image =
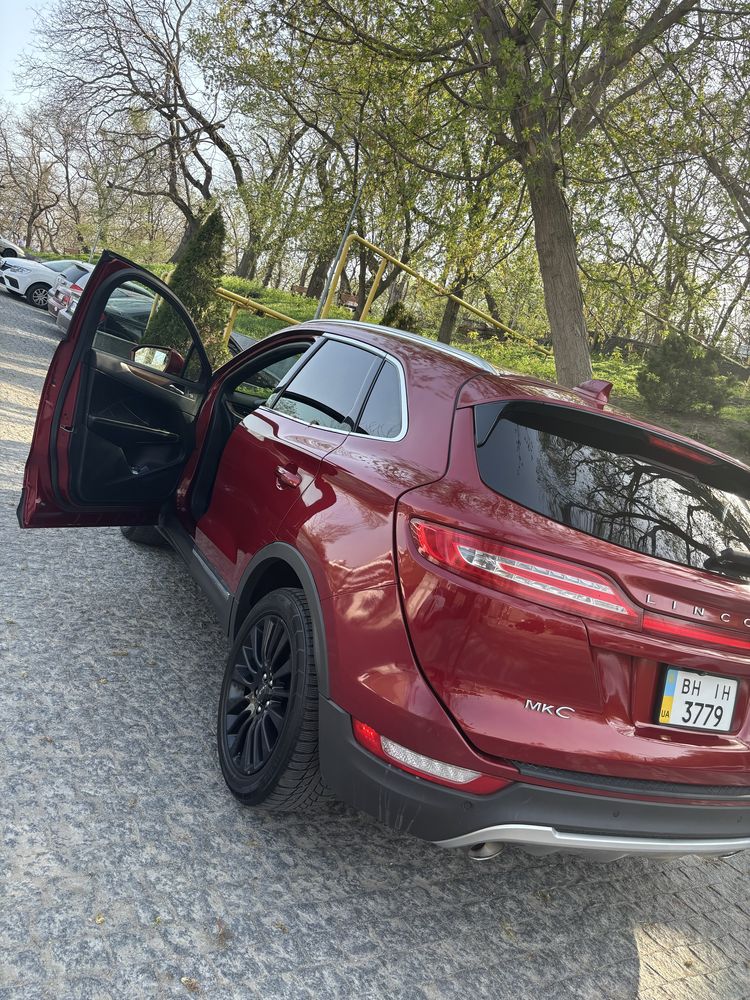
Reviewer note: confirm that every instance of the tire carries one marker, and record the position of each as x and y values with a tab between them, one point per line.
144	534
36	295
8	252
267	727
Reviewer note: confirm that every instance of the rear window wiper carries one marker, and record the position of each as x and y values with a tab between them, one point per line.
730	559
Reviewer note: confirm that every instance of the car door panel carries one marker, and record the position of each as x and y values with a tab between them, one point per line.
284	456
273	458
136	437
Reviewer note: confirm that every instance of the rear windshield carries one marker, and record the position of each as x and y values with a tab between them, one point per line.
614	481
73	273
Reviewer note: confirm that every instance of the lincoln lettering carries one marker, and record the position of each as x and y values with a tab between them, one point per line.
696	611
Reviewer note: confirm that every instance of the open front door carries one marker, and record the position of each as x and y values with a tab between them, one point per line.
115	424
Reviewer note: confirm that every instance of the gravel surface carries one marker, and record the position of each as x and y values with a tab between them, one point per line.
127	869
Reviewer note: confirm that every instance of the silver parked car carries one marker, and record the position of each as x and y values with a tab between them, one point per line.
69	283
123	320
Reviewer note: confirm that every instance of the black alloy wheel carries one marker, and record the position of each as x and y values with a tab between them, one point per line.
259	693
267	727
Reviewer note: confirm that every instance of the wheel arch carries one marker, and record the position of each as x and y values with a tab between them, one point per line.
281	565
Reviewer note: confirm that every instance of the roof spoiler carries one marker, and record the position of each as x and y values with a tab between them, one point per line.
596	389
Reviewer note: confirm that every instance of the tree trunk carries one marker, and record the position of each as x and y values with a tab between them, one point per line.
397	291
248	263
318	277
558	264
450	315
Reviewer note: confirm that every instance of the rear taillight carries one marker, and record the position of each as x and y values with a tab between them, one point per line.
677	629
425	767
527	574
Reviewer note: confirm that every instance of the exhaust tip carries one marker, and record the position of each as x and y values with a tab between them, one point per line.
486	851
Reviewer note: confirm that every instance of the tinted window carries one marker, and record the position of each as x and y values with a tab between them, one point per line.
139	325
382	415
264	380
615	481
57	265
328	390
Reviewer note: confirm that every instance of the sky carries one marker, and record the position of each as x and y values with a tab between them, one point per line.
16	34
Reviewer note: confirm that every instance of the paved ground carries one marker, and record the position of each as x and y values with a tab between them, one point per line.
127	870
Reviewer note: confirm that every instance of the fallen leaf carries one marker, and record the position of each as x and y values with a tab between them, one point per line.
99	918
281	926
191	984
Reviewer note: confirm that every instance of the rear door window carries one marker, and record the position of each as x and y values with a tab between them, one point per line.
330	389
383	415
615	481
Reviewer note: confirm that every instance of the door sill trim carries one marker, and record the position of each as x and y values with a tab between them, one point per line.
199	568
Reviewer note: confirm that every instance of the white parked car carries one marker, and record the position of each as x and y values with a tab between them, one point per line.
31	278
8	249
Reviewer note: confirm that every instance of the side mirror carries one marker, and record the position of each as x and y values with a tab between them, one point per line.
163	359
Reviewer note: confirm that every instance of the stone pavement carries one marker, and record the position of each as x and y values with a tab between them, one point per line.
127	869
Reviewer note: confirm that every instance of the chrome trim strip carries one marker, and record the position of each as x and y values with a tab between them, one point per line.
550	839
391	331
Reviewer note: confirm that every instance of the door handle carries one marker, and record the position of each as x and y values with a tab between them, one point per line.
285	477
176	388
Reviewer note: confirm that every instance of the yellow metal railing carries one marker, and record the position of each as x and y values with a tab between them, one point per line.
242	302
385	259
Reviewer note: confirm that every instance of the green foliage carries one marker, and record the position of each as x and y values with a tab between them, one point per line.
194	281
621	372
401	317
681	376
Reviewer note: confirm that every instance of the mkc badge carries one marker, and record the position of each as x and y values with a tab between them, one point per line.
561	711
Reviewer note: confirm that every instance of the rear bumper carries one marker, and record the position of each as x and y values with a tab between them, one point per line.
540	818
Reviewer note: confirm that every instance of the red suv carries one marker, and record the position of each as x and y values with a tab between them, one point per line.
481	607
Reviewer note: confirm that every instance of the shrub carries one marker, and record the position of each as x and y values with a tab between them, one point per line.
681	376
401	317
194	281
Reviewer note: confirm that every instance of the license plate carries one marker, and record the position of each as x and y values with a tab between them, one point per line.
698	701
